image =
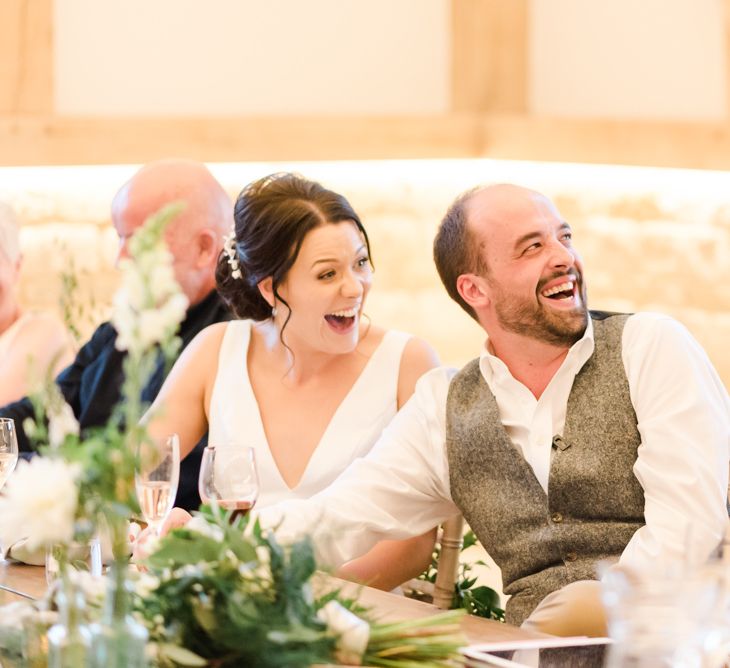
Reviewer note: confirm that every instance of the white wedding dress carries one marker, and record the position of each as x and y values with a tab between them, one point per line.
235	420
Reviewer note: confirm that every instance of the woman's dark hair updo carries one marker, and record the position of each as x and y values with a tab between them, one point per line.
272	216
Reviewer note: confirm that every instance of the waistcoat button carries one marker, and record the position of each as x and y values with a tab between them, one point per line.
557	518
571	556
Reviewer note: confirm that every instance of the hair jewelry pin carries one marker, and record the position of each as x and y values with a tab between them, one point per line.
229	248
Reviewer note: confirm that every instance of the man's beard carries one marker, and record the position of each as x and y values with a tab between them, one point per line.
533	319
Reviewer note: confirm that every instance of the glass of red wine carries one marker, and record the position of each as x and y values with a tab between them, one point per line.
228	479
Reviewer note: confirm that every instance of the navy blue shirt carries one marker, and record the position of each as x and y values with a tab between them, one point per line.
91	385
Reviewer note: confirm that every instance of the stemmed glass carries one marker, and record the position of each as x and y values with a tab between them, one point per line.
8	456
8	449
156	481
231	482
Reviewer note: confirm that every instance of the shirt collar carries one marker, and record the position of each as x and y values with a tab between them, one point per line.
494	369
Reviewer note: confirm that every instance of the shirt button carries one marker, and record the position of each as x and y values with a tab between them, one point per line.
571	556
556	517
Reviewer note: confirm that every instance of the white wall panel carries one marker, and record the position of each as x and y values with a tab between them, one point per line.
227	57
661	59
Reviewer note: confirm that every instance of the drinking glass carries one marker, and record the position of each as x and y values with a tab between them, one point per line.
8	457
658	619
230	482
84	556
156	481
8	449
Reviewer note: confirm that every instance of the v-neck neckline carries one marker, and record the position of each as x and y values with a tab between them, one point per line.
324	443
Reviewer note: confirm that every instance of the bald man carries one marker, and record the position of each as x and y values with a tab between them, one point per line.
623	416
92	383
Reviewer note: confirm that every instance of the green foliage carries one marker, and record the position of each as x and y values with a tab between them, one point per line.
233	596
74	312
227	594
482	601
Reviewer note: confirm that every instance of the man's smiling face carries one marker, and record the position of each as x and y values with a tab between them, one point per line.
534	275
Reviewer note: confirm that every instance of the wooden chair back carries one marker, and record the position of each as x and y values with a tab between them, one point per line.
448	565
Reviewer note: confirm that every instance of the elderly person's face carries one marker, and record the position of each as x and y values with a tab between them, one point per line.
194	236
129	214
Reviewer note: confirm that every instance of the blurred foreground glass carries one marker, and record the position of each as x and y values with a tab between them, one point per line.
156	482
8	457
658	620
8	449
81	557
230	482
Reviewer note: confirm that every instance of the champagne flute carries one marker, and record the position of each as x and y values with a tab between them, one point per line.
231	482
8	449
156	481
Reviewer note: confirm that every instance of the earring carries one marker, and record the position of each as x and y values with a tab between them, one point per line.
273	311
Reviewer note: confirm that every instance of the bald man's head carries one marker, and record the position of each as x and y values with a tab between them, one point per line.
195	236
458	248
507	256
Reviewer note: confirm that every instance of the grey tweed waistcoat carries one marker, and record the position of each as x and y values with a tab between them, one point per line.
594	502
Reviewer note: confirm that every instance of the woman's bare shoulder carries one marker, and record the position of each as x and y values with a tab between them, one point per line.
202	351
418	358
210	337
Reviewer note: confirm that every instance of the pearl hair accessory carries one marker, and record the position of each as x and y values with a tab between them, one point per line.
229	248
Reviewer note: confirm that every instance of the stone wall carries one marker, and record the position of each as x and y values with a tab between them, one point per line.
650	239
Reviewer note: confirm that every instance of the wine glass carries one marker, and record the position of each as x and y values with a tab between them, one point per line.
231	481
156	481
8	457
8	449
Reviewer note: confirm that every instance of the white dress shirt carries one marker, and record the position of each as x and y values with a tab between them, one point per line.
402	487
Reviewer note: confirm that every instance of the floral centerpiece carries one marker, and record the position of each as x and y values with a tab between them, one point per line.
224	593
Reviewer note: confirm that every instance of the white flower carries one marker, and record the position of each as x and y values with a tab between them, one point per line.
262	554
14	614
149	304
61	423
353	633
40	501
93	587
204	528
146	584
189	571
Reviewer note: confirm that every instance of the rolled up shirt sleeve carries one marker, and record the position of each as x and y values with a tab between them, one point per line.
400	489
683	416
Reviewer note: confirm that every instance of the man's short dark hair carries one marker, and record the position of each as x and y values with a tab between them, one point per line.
455	250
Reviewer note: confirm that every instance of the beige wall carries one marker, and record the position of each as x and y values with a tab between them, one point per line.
654	59
651	239
228	57
586	58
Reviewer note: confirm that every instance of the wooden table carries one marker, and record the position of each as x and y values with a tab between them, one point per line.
389	607
20	581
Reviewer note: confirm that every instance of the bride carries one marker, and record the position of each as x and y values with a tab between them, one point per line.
302	376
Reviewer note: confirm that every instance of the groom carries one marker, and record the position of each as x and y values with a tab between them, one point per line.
574	437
